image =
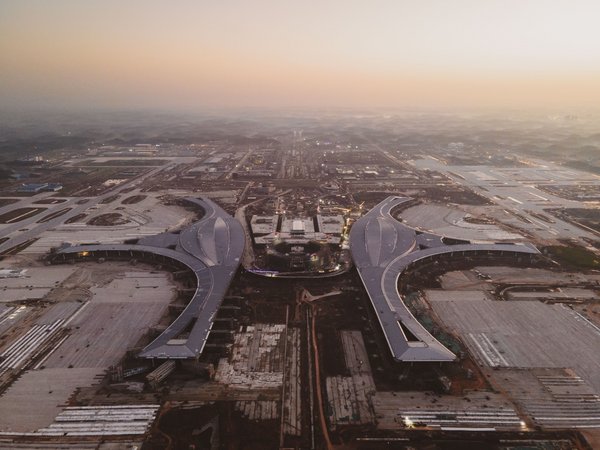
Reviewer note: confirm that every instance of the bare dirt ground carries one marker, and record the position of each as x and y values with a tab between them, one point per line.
77	218
7	201
133	199
16	215
108	219
54	215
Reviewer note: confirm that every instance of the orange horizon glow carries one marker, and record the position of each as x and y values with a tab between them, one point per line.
524	54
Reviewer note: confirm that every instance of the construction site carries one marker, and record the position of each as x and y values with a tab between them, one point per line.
212	298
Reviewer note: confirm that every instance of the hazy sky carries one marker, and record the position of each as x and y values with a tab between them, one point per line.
300	53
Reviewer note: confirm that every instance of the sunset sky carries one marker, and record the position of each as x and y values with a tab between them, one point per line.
277	54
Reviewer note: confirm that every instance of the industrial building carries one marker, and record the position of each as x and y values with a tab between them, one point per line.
263	225
40	187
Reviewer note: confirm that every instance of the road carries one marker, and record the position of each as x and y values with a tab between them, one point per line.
40	228
239	164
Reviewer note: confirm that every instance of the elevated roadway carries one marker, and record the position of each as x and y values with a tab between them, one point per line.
382	249
211	248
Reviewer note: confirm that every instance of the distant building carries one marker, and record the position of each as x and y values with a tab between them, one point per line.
54	187
32	187
298	227
325	229
254	174
370	174
331	224
12	273
40	187
31	159
263	225
330	187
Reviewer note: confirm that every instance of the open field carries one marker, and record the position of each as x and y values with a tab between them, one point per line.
35	283
7	201
452	222
17	215
523	334
116	317
38	396
54	215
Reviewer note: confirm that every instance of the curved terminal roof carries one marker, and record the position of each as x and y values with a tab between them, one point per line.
382	248
211	248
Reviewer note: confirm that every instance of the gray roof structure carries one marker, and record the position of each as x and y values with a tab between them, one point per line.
382	249
211	248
